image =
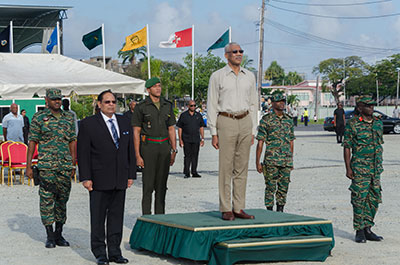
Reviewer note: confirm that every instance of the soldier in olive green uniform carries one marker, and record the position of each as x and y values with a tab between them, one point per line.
54	131
155	144
276	130
362	144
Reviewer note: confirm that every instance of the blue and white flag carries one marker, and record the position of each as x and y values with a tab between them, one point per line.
52	41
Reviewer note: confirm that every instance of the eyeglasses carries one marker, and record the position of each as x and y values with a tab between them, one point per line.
192	105
236	51
110	102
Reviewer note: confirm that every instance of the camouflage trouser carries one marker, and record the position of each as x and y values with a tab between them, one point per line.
276	181
55	186
365	198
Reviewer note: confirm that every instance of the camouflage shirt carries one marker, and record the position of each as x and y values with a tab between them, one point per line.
365	140
53	136
277	133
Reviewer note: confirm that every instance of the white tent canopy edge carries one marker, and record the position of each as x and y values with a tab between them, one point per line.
23	75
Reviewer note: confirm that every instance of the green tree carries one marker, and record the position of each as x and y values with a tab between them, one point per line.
292	100
247	63
204	66
155	66
293	78
131	55
275	73
336	70
83	106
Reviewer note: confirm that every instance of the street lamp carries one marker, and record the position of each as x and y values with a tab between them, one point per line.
398	77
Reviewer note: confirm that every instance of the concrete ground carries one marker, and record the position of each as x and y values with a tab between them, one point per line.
319	188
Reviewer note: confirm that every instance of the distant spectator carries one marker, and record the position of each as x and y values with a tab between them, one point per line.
339	122
128	113
65	104
295	115
12	125
315	118
305	117
25	129
396	112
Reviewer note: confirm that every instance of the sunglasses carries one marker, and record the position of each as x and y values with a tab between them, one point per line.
192	105
236	51
109	101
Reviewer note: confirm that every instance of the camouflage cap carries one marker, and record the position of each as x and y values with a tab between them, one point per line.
53	93
278	97
366	100
152	81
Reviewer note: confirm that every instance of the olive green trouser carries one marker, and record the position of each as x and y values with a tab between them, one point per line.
157	158
54	190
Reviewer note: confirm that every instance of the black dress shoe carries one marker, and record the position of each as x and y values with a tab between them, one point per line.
360	236
371	236
102	261
186	176
196	175
119	259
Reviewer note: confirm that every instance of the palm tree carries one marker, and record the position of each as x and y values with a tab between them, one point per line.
246	63
131	54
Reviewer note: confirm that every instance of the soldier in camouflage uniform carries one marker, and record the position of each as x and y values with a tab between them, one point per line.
277	131
362	144
54	131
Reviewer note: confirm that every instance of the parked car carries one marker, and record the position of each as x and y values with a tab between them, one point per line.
389	124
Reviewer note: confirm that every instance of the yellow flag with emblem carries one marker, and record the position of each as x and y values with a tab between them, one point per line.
136	40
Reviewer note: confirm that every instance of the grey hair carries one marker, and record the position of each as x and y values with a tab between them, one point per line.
226	49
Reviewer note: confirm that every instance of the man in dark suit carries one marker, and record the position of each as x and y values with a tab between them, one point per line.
107	166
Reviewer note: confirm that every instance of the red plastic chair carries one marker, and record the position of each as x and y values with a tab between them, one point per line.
17	160
35	156
4	157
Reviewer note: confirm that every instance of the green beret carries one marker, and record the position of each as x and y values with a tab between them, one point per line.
53	93
366	100
152	81
278	97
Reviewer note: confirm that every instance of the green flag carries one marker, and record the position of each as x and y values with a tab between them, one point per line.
93	39
221	42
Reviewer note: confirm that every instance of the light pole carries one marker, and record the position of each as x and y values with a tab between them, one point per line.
377	91
397	92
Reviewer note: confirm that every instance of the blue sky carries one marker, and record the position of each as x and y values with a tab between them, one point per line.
212	18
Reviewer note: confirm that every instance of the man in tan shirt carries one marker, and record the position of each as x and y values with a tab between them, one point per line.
232	118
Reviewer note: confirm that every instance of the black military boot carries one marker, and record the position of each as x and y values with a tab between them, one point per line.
59	239
371	236
360	236
279	208
269	208
50	242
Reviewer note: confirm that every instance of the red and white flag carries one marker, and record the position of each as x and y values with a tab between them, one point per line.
179	39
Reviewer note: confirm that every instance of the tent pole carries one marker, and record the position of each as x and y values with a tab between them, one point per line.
58	39
104	46
11	37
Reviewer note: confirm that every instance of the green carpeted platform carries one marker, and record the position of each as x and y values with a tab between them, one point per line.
195	235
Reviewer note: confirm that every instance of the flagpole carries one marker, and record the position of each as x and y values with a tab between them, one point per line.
104	46
230	34
11	37
148	51
192	62
58	38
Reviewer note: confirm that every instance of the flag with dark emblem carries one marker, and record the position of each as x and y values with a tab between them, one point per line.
5	40
93	39
135	40
221	42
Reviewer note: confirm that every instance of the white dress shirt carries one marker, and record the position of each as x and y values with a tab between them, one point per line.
114	120
235	94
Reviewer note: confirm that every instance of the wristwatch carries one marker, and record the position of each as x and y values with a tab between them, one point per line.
202	139
174	151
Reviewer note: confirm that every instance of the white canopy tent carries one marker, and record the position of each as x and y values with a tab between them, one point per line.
23	75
